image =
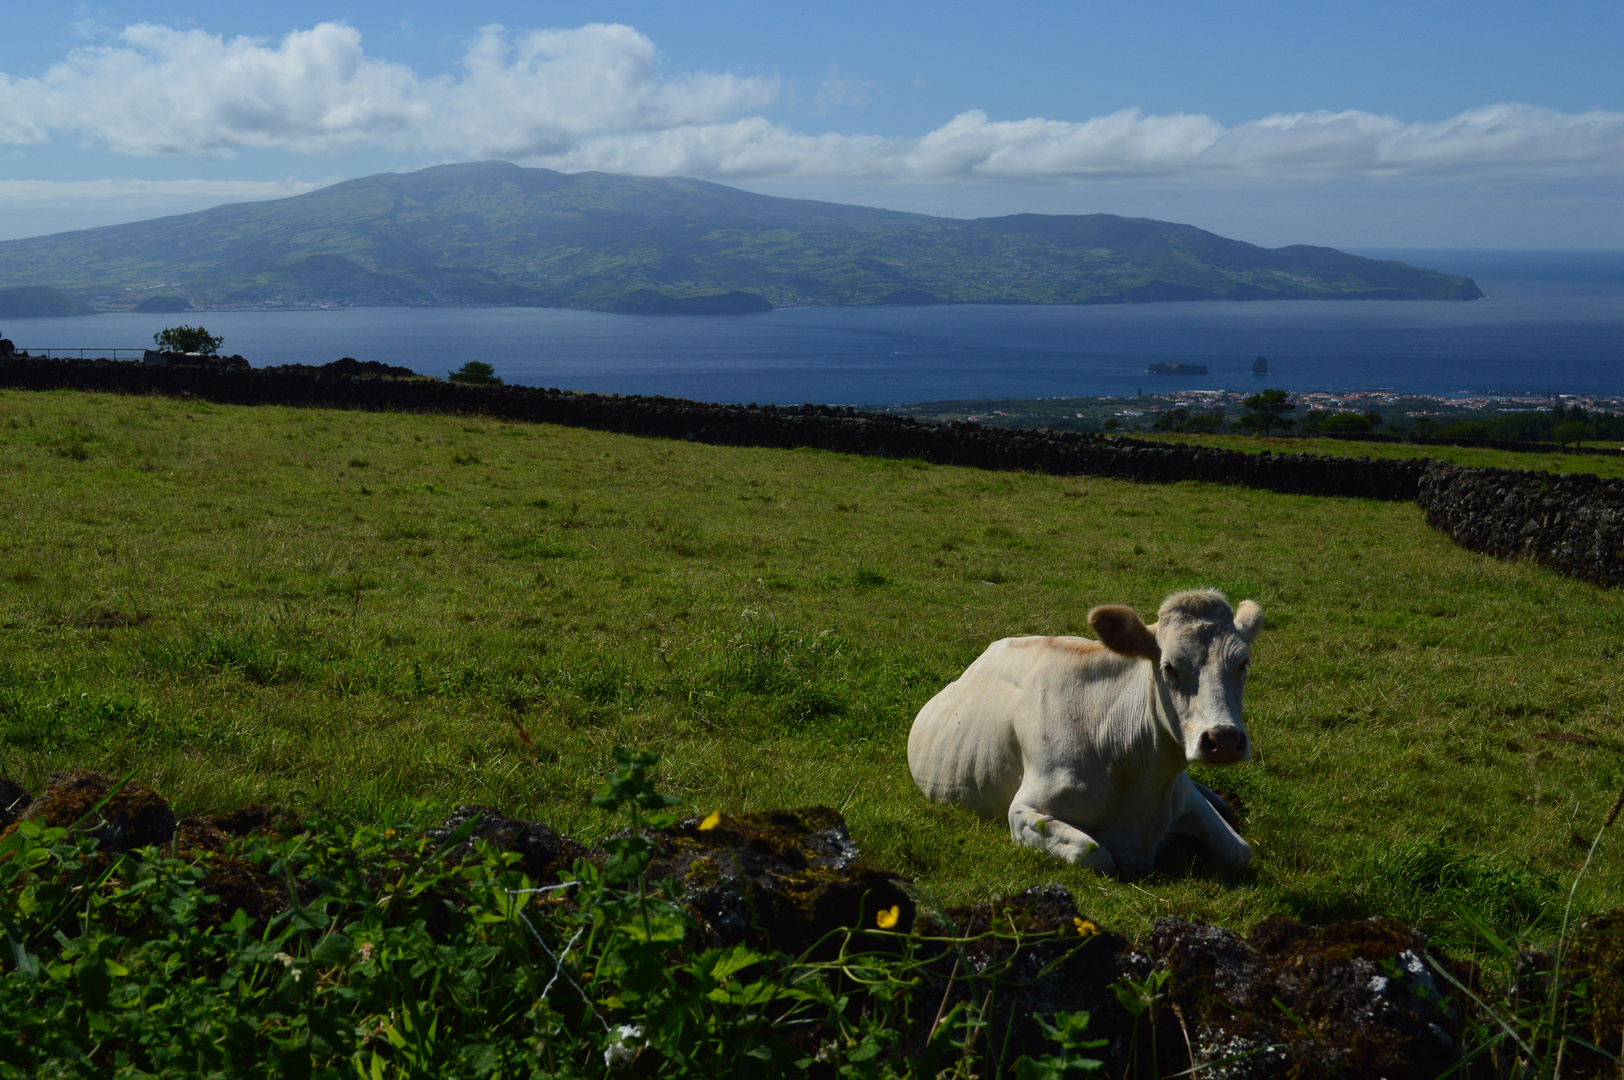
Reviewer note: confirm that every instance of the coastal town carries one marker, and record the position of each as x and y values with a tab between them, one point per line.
1142	410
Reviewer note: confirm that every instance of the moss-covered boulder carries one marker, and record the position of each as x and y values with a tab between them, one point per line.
781	879
236	883
1057	961
543	853
1356	998
134	816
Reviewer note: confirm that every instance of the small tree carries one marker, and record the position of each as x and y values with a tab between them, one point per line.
475	373
187	339
1267	411
1345	422
1573	431
1172	420
1204	423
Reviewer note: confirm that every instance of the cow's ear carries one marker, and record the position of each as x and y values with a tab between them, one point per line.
1248	620
1122	631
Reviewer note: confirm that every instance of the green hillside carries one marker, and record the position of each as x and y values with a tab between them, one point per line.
35	302
495	233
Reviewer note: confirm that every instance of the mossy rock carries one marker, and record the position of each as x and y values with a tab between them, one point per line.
135	816
1356	998
781	879
543	853
1595	961
1059	960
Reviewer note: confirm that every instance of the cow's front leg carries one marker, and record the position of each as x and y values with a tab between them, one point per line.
1199	818
1032	827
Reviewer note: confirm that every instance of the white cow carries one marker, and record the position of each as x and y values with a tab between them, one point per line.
1083	744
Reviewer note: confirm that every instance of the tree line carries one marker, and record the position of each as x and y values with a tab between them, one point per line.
1270	413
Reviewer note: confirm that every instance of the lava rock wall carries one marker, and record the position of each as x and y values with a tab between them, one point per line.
1572	524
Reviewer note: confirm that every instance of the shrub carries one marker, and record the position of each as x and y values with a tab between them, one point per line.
1573	431
1266	412
1204	423
187	339
475	373
1348	421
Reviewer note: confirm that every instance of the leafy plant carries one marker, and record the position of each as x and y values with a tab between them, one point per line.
475	373
392	957
1067	1030
1266	412
187	339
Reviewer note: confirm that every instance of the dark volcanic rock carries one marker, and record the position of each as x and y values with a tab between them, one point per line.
1063	963
543	853
782	879
1573	524
14	799
136	816
1350	999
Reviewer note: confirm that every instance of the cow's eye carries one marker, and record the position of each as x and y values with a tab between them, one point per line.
1171	672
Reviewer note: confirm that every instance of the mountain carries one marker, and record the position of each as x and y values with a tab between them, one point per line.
494	233
35	301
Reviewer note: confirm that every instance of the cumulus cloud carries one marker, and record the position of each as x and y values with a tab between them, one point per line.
163	91
595	97
1498	139
15	191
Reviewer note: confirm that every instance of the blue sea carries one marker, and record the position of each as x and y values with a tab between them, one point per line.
1551	322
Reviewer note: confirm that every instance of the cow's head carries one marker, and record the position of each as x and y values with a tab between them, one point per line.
1200	651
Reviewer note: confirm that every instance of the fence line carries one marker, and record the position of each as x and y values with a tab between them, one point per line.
96	352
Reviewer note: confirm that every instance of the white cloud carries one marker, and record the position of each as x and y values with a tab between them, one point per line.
20	191
164	91
1497	139
595	97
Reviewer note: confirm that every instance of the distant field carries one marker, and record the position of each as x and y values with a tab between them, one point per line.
1576	462
350	611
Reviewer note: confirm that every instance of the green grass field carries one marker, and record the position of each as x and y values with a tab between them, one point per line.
353	611
1576	462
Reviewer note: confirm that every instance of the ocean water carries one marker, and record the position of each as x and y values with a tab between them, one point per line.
1552	321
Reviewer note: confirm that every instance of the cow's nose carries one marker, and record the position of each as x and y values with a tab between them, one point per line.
1223	746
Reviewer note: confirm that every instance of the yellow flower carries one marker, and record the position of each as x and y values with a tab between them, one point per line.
886	919
1085	927
712	819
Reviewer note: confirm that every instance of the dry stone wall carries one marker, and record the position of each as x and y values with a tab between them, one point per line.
1573	524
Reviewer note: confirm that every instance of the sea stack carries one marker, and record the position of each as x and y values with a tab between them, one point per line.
1260	366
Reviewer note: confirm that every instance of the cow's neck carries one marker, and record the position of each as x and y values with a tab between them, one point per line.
1163	727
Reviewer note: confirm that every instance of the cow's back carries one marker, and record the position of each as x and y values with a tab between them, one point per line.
965	746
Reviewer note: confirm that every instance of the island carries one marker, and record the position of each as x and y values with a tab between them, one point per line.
492	233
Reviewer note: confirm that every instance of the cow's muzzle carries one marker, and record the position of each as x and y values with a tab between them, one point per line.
1221	746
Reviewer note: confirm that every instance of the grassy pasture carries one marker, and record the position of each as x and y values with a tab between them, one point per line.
1575	462
352	612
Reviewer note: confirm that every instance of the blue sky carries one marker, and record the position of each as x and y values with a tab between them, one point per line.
1355	125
